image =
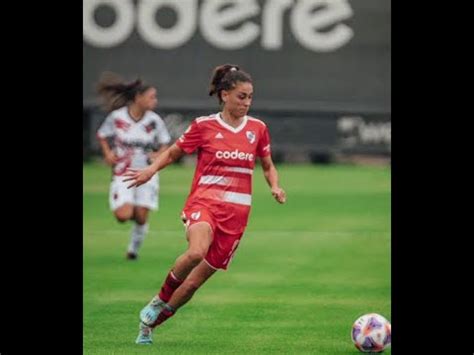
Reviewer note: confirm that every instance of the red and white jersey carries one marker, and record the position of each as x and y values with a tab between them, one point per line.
133	140
226	161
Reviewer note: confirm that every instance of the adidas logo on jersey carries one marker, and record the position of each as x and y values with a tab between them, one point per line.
219	135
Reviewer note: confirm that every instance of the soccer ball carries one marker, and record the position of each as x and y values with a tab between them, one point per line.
371	333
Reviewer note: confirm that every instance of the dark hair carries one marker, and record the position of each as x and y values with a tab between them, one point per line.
116	93
226	77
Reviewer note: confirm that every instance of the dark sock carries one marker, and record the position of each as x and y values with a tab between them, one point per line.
169	286
166	313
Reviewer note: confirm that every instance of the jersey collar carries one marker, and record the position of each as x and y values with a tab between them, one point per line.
229	127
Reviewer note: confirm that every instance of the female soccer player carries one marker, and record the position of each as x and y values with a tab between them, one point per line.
217	209
136	131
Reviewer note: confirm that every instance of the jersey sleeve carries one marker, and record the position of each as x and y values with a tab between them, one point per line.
263	147
191	139
163	136
106	129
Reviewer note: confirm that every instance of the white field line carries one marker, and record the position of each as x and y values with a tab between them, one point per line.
176	231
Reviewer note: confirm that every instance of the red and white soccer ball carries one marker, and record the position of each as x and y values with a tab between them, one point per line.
371	333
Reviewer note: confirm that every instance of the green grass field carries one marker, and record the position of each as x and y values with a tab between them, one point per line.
303	272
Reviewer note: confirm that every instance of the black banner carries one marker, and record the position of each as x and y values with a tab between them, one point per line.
304	55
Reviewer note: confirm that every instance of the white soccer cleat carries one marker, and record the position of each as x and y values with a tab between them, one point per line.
144	334
150	312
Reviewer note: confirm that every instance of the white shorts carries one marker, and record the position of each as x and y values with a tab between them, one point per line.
145	195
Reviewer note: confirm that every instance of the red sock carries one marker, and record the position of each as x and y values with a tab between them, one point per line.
170	285
164	315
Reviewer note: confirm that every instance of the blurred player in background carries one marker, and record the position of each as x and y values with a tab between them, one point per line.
217	209
136	131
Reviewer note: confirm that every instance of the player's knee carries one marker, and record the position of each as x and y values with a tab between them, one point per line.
122	217
195	256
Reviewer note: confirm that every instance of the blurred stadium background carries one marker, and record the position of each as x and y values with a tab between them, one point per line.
321	67
322	77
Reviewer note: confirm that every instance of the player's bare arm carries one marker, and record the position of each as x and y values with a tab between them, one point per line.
154	155
271	175
141	176
109	155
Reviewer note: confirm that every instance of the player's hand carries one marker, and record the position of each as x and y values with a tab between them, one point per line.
279	194
111	159
138	176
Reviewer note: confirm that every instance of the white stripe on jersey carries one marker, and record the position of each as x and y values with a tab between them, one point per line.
213	179
205	118
237	197
257	120
239	170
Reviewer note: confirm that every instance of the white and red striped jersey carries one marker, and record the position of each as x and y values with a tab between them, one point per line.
226	161
133	140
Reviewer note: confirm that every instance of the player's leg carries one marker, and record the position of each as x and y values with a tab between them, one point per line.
218	256
145	199
199	239
124	213
196	278
191	284
139	231
199	236
120	200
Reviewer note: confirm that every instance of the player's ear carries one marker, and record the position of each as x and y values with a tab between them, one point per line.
224	95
